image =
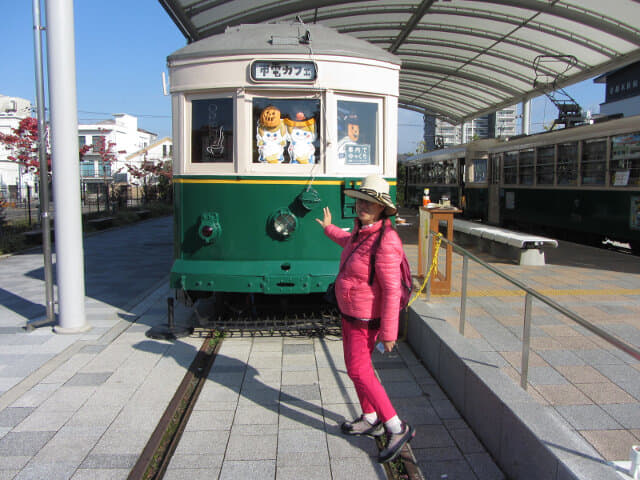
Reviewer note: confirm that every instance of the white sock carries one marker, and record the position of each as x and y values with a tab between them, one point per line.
394	425
371	417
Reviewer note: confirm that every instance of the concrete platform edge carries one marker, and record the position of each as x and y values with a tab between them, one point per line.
527	440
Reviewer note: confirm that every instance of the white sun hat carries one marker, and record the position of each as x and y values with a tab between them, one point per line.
374	189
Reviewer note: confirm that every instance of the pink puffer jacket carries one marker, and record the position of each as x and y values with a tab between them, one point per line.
355	296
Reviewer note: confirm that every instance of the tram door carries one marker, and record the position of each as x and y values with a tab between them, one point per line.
493	215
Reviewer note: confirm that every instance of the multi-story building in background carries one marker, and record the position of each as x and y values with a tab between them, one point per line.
622	95
15	179
440	134
128	146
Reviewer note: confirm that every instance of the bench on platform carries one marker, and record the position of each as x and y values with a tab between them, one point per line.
143	214
102	222
525	248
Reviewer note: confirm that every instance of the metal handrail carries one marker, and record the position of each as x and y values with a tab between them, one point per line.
530	293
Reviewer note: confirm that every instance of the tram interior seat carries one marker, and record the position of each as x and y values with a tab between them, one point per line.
525	248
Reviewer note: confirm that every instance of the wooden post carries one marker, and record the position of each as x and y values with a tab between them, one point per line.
441	283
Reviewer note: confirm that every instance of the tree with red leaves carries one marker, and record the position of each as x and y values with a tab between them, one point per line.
148	172
23	143
105	151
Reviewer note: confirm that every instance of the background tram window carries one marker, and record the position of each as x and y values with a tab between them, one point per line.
495	168
357	132
525	171
291	132
212	130
625	160
544	165
511	168
568	163
450	172
478	171
593	162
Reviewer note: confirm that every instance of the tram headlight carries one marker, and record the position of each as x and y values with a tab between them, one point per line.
209	229
283	223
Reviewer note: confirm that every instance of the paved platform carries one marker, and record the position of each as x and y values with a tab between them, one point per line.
592	385
83	406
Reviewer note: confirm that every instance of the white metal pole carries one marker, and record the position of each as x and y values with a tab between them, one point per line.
65	166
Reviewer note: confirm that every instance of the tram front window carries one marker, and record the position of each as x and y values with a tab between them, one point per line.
357	132
212	130
286	130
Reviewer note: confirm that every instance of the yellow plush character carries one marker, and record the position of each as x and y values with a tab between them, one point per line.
302	134
271	136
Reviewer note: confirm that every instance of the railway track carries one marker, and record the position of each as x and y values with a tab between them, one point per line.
155	457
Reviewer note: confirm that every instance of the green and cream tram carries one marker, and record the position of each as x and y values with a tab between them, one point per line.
271	123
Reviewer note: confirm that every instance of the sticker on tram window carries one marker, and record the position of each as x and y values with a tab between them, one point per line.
264	70
357	154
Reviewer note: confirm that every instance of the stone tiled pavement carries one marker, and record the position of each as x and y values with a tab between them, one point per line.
594	386
83	406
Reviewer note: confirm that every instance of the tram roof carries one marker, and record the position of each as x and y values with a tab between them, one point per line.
460	58
283	38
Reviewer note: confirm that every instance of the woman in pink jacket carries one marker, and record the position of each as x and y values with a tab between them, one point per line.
368	289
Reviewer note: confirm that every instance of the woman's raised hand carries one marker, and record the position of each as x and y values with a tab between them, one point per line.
326	221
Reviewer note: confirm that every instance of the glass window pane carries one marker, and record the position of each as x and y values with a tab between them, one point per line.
357	132
544	165
568	163
526	167
593	162
625	160
212	130
511	168
450	172
286	130
479	170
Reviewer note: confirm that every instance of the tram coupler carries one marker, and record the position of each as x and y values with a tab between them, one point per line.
171	331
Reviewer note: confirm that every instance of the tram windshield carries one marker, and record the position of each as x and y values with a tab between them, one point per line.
286	130
357	129
212	130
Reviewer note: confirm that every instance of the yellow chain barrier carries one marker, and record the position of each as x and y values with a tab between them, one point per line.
434	265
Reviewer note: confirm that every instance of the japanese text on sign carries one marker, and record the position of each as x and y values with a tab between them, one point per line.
297	71
358	154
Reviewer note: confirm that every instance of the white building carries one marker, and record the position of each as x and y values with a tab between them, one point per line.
439	134
14	178
131	146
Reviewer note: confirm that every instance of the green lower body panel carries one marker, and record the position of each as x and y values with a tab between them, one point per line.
270	277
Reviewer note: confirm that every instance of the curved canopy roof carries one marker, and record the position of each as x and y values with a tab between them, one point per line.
460	58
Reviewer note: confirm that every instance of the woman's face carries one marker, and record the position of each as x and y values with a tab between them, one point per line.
368	212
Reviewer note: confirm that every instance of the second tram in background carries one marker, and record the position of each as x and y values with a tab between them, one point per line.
580	183
271	123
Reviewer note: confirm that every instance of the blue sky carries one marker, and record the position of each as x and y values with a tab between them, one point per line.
121	50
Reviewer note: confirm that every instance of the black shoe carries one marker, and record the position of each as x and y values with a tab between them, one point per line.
395	442
361	426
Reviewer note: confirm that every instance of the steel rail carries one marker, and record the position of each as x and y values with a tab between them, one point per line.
530	294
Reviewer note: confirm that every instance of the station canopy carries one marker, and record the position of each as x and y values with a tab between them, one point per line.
460	58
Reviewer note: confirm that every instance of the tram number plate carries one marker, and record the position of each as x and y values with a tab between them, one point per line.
262	70
357	154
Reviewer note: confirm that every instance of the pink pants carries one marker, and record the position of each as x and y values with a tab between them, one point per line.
358	343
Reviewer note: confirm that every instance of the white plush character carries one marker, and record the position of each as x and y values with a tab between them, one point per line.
271	145
302	134
271	137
